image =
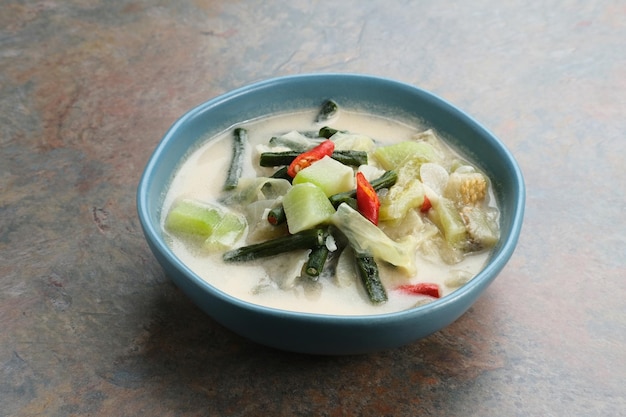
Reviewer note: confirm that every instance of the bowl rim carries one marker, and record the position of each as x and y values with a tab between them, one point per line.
496	263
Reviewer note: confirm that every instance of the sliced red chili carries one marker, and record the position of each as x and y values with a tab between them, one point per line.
423	288
305	159
366	199
426	205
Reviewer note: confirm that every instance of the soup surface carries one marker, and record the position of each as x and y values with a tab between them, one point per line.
278	281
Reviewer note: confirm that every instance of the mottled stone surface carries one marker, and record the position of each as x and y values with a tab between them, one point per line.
91	326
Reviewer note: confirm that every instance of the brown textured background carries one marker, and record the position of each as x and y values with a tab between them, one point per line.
91	326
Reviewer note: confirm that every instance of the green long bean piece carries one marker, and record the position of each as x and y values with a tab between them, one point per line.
327	132
240	139
367	270
306	239
328	110
282	174
277	215
347	157
315	263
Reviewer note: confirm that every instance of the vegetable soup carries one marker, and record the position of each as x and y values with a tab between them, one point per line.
331	211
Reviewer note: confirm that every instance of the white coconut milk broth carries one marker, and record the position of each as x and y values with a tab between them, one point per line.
202	175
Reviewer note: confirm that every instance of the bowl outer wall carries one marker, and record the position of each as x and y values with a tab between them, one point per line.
326	334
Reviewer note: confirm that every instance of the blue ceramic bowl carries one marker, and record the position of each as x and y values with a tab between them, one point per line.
318	333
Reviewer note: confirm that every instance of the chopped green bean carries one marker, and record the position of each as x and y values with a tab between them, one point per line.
347	157
328	110
277	215
367	270
315	263
350	157
240	138
327	132
305	239
282	174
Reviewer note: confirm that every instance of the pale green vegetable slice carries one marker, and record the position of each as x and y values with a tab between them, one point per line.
407	193
226	233
328	174
483	232
192	217
306	206
254	189
365	237
400	199
218	226
411	224
353	142
392	156
450	222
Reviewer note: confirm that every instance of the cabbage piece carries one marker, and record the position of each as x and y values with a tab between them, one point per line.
259	229
435	176
345	271
395	204
250	190
353	142
371	172
393	156
294	141
366	238
430	137
407	193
